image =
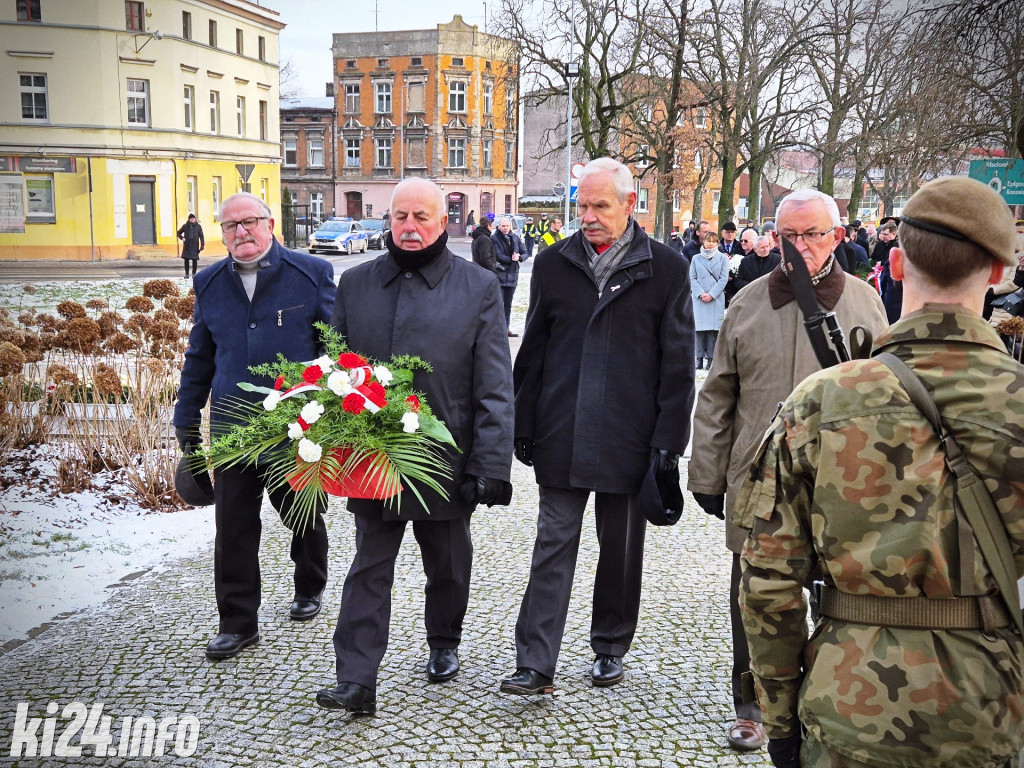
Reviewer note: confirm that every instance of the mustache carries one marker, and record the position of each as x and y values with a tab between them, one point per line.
593	228
414	236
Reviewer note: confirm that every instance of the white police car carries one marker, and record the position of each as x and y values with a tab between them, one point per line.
337	235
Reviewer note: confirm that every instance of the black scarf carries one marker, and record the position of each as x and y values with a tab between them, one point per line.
416	259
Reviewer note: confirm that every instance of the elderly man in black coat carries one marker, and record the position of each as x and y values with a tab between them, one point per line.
420	299
604	389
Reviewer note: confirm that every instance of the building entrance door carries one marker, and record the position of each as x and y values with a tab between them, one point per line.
140	193
456	215
354	205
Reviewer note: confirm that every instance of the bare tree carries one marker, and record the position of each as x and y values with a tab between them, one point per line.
287	79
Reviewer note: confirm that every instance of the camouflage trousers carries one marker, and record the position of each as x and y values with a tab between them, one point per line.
814	754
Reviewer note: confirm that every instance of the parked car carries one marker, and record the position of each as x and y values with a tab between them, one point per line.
376	230
340	234
571	228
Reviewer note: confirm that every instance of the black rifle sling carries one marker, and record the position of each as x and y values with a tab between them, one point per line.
971	493
814	318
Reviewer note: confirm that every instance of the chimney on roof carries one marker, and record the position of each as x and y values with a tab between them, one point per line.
329	89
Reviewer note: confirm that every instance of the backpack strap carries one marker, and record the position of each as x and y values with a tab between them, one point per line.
971	494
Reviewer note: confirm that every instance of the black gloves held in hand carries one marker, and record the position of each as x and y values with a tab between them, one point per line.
524	450
785	753
712	503
485	490
191	479
668	464
188	438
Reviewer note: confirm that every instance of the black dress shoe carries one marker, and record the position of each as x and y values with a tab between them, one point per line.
442	665
351	697
607	670
305	608
225	645
527	682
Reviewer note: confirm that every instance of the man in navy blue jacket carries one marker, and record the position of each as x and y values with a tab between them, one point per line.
260	300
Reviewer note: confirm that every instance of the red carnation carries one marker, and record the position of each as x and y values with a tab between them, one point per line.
312	374
302	424
351	360
279	382
353	403
376	388
414	403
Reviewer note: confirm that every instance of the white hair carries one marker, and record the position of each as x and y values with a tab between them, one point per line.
504	219
801	196
621	176
763	239
264	208
748	229
413	181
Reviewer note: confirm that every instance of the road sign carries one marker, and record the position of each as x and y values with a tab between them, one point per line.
572	192
1004	176
576	170
559	189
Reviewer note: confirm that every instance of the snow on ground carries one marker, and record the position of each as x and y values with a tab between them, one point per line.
62	553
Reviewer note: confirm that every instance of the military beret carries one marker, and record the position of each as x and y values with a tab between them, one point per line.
730	226
964	209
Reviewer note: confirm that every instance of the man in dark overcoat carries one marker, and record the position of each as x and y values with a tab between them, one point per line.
509	252
421	299
260	300
604	387
193	241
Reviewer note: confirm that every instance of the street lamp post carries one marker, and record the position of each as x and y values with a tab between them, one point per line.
572	71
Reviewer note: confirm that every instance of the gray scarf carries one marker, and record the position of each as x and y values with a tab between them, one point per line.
603	265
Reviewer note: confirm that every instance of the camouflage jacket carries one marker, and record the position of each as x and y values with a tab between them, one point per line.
852	475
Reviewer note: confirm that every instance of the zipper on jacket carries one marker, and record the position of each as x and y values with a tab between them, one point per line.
281	312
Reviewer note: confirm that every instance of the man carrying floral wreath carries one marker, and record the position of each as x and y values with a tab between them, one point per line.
261	300
420	299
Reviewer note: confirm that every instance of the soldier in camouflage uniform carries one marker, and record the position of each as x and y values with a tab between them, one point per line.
851	475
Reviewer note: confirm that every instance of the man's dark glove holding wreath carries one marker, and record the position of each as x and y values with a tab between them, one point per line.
191	478
485	490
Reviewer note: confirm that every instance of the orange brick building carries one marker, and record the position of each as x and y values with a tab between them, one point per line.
438	104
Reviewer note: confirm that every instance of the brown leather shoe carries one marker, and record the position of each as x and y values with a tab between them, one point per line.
746	735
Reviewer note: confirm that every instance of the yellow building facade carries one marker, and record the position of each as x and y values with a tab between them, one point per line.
128	116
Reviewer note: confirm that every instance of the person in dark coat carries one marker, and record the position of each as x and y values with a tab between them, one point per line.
675	242
509	251
604	387
259	301
193	241
696	242
758	263
861	260
482	248
421	299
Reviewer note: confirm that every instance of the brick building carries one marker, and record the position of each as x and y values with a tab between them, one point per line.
438	104
309	152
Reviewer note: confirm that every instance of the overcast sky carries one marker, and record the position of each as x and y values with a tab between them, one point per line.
306	41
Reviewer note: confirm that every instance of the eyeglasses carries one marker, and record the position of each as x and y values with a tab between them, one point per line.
811	238
249	224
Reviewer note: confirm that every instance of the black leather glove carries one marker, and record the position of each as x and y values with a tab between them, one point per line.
785	753
485	490
712	503
524	450
189	439
668	464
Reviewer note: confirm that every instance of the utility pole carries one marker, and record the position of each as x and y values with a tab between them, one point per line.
572	70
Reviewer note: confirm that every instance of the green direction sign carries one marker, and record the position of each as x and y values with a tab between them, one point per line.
1004	176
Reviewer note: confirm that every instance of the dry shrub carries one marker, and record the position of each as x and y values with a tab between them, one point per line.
163	331
1013	329
48	322
12	334
106	382
24	421
121	343
4	315
165	316
97	304
109	322
61	375
28	317
160	289
48	340
12	360
139	304
183	307
32	346
70	310
81	335
30	289
138	322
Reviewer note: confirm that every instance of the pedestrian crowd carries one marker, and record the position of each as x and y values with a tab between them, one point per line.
862	442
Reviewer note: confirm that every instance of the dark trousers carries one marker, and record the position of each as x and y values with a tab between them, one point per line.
194	263
361	637
617	583
749	708
238	494
508	293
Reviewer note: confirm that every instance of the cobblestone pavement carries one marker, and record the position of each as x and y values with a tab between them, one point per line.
141	654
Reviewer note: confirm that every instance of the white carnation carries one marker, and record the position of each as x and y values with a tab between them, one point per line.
270	401
311	411
338	383
410	422
324	363
309	451
294	431
382	374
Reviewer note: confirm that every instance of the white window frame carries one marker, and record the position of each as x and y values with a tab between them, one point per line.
641	198
33	90
264	125
382	154
189	101
457	152
642	161
700	120
240	115
215	112
191	184
676	201
510	155
289	147
137	98
263	190
216	190
487	153
382	97
353	153
316	205
352	98
488	98
315	151
457	97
